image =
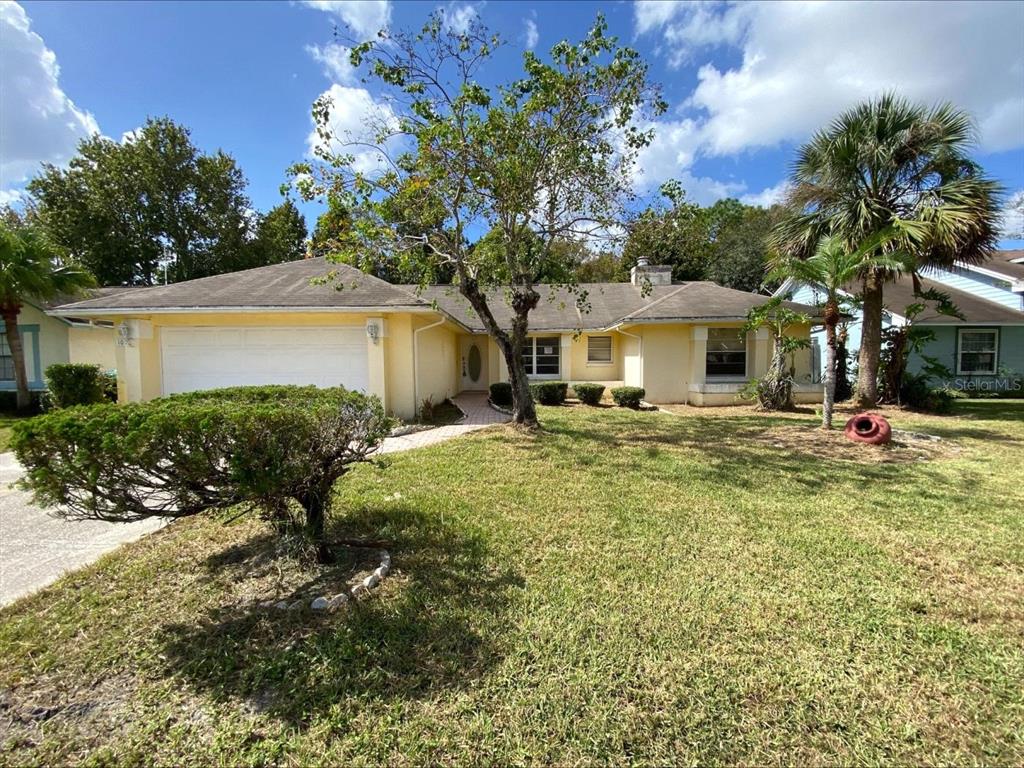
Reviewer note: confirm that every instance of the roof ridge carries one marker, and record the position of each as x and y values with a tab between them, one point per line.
656	302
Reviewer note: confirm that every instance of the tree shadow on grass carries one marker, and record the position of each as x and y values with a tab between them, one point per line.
431	626
736	452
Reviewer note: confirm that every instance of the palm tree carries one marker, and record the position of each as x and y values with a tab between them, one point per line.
29	269
891	165
831	268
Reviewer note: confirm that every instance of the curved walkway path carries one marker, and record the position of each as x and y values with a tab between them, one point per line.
37	548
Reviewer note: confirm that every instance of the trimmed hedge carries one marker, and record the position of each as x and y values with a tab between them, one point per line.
72	384
549	392
266	447
501	393
589	394
628	397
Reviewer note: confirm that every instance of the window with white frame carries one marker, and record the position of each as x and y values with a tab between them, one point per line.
599	349
726	354
977	351
6	360
541	356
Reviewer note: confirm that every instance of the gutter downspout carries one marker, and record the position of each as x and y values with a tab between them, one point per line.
640	341
416	363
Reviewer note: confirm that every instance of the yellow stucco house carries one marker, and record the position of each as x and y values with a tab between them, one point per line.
680	342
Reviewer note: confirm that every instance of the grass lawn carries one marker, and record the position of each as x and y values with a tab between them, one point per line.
626	587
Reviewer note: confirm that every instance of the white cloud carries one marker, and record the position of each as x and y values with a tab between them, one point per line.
335	60
802	63
651	14
458	17
355	116
364	17
532	34
1013	217
9	196
768	196
38	122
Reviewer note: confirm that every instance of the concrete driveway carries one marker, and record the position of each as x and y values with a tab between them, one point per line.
37	548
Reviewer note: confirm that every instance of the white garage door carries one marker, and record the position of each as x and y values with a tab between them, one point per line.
209	358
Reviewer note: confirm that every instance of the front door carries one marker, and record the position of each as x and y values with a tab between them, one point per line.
471	363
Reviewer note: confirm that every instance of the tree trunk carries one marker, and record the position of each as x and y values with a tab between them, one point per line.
316	514
870	342
524	411
524	299
830	370
10	314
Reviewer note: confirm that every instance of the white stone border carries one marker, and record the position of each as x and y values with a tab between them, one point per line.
336	602
499	408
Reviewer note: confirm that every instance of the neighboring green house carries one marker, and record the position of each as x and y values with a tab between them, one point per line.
985	350
47	339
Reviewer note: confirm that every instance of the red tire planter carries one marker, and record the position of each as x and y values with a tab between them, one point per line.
868	428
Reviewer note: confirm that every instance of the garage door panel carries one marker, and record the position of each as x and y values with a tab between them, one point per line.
208	358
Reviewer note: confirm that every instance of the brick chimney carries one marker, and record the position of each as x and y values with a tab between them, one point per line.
655	275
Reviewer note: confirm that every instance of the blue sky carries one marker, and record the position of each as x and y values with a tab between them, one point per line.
746	83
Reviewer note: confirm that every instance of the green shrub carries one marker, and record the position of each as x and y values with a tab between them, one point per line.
501	394
266	447
919	394
628	397
589	394
73	384
549	392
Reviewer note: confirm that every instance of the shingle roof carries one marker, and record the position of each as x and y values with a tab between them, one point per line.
607	304
1003	263
897	296
288	285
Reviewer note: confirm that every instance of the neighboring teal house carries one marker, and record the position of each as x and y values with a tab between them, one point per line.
985	350
47	340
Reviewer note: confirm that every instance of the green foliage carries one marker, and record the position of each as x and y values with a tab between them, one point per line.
71	384
900	342
501	393
123	208
589	394
265	447
774	390
918	393
549	392
628	397
900	175
727	243
603	267
280	236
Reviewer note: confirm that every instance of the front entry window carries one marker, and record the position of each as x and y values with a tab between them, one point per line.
541	356
727	353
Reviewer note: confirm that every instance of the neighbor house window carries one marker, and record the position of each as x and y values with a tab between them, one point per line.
540	355
6	360
727	353
599	349
977	351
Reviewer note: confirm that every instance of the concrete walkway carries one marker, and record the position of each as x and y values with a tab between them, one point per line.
478	416
37	548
